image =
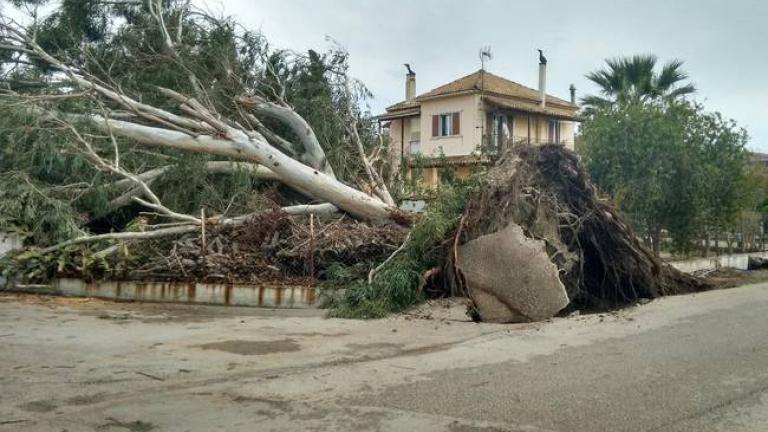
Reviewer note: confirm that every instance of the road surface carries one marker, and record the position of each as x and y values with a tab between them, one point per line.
689	363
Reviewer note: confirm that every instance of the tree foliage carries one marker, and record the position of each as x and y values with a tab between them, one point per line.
636	80
213	59
669	165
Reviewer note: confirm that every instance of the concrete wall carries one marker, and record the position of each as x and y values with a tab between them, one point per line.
269	296
736	261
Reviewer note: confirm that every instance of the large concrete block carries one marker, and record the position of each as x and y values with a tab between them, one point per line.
510	277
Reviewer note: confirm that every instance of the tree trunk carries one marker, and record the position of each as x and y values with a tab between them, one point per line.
256	149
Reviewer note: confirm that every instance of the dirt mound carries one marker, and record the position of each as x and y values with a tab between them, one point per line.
546	191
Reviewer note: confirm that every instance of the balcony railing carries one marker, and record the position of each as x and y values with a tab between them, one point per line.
491	147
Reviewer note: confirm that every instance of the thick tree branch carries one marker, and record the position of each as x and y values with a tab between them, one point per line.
313	153
211	135
239	146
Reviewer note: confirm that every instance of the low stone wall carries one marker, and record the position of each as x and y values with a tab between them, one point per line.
267	296
736	261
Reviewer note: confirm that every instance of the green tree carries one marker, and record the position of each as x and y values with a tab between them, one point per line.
636	79
669	165
726	189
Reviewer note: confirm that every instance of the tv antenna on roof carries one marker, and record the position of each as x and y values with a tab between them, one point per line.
485	55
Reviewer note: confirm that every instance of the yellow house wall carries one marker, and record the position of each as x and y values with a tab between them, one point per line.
463	172
396	137
568	133
473	125
469	138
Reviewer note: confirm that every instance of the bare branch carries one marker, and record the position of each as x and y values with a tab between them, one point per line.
377	183
318	209
274	139
99	162
82	80
378	268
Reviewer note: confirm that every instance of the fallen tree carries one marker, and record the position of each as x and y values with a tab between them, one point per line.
534	216
545	193
255	132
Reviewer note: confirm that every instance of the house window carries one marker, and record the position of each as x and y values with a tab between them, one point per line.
447	124
554	132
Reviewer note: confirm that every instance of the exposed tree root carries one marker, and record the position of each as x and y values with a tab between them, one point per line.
547	191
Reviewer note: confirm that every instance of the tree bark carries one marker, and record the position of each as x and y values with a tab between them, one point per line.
313	153
240	146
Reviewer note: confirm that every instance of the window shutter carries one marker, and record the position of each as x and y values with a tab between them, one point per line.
435	125
456	128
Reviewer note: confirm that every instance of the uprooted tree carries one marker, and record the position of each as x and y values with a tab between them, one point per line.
119	106
142	121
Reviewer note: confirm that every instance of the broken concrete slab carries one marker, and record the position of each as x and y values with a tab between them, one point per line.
510	277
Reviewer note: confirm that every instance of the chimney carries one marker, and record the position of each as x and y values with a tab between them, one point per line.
410	84
572	88
543	82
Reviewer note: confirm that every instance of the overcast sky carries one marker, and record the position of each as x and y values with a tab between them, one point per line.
722	42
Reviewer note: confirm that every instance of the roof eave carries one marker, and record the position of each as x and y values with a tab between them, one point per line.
398	114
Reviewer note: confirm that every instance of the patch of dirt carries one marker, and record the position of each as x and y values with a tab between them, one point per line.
446	309
48	300
730	278
458	427
250	348
83	400
39	406
280	405
374	346
134	426
317	334
124	312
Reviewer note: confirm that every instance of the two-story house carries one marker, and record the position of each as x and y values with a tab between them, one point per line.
468	121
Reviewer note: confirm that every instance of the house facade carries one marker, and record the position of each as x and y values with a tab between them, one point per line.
469	121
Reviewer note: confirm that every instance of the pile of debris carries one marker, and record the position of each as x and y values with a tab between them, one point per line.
271	247
538	239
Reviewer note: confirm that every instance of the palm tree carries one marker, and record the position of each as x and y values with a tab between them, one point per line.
634	78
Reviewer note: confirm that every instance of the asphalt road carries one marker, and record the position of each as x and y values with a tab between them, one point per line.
692	363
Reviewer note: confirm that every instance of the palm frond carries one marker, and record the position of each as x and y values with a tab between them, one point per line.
596	102
670	75
603	80
634	79
681	91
